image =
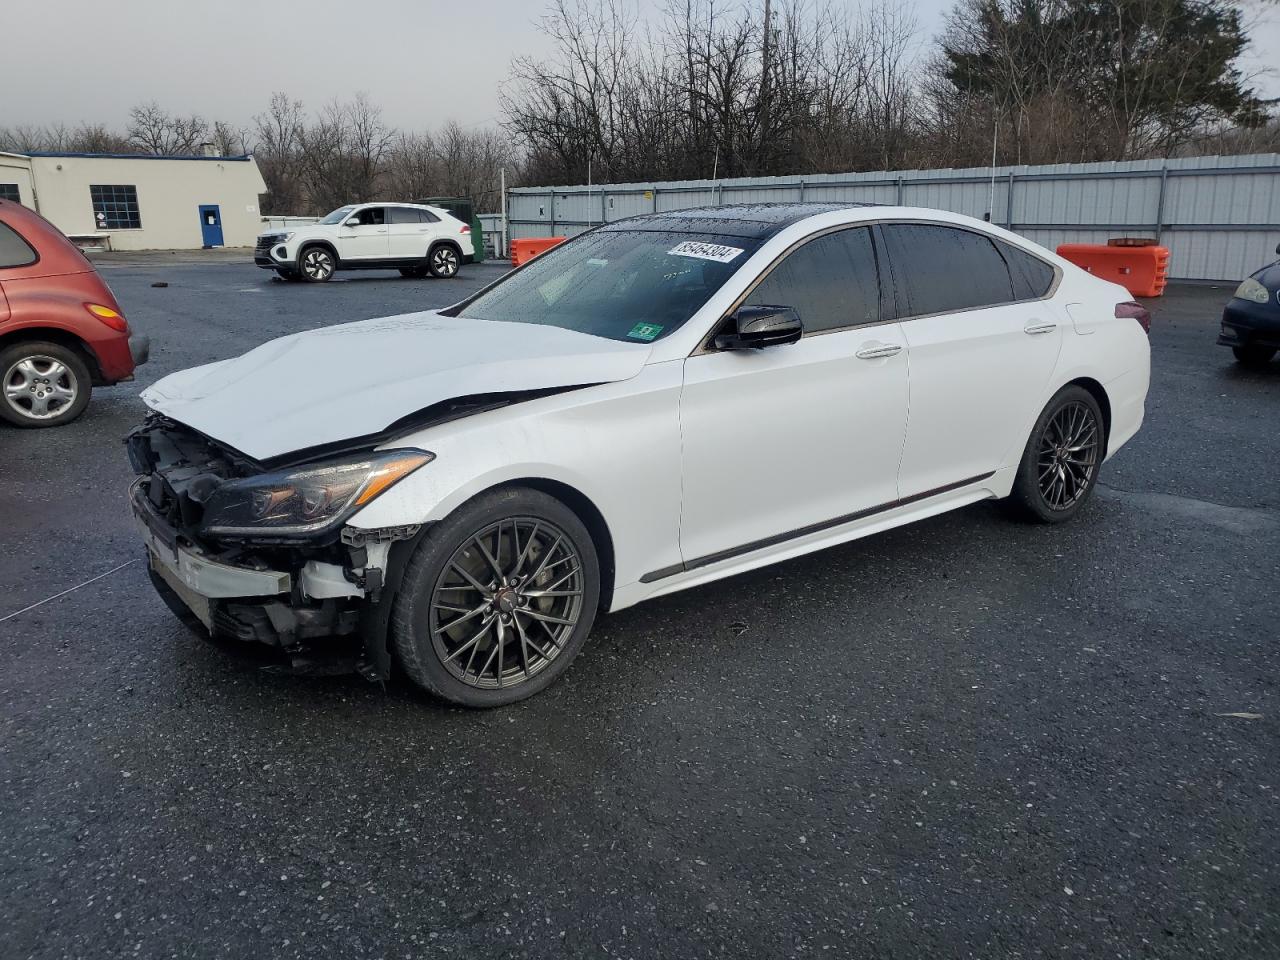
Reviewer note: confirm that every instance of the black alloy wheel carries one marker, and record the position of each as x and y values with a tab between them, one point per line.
1059	467
497	599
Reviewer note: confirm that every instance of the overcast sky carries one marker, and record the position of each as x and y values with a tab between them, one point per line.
423	61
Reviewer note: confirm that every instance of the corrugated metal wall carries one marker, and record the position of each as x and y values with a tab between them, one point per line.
1219	216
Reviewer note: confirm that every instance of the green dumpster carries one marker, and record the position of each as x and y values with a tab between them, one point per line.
464	210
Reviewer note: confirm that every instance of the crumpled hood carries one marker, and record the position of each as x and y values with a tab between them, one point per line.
356	379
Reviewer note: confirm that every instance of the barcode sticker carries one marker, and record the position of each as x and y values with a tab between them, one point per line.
705	251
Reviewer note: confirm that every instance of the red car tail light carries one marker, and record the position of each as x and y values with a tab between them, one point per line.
112	318
465	229
1135	311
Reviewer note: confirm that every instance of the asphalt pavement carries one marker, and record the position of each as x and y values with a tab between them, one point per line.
965	738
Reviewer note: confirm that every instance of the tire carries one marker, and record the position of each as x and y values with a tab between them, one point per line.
1254	356
316	264
540	635
44	384
1059	466
413	273
444	261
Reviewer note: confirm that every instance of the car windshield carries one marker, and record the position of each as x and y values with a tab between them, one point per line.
338	215
630	285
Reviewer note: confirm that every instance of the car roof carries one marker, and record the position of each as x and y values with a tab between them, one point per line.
757	221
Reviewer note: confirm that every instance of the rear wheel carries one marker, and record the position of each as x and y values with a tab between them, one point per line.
45	384
444	262
497	599
1059	466
1253	355
317	264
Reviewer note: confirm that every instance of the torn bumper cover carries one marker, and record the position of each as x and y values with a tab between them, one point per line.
311	599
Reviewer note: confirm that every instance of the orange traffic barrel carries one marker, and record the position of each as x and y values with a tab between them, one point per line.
1139	265
522	251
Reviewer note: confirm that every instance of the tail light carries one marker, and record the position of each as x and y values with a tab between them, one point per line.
1133	310
112	318
465	229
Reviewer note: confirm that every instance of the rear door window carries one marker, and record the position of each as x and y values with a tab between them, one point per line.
14	251
831	281
940	269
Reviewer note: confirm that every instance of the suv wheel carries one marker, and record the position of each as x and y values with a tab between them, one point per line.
497	599
443	262
317	264
45	384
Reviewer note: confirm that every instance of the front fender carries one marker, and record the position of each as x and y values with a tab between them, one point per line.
618	445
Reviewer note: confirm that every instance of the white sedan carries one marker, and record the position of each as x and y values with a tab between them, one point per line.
655	404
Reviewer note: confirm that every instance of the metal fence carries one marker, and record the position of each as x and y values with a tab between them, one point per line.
1219	216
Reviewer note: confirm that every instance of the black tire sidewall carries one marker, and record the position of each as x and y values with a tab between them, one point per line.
1253	355
410	624
1026	499
64	354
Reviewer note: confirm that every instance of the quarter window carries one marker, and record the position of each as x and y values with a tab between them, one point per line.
9	191
1032	277
939	269
115	207
14	251
831	282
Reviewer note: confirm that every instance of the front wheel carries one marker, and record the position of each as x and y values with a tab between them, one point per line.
1059	466
444	262
497	599
45	384
317	264
1253	356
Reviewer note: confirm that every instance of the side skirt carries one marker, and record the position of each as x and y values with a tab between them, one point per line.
754	545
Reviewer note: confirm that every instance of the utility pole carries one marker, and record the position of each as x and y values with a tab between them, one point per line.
764	83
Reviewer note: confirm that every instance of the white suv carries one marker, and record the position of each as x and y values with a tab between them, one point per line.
415	239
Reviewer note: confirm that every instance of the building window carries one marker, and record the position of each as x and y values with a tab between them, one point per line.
9	191
115	207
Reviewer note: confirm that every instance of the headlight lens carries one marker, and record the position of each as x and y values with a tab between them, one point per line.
296	503
1251	289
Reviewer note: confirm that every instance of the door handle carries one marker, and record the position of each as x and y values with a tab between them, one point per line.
1036	326
878	351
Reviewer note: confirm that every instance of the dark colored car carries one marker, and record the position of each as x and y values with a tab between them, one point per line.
61	330
1251	320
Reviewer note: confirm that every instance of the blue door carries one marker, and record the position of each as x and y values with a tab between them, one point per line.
211	225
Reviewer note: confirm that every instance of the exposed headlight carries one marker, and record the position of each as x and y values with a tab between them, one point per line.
306	502
285	238
1251	289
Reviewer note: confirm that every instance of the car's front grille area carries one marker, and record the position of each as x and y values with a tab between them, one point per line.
265	243
180	469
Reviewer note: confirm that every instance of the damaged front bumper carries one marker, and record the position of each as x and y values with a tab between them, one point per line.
325	599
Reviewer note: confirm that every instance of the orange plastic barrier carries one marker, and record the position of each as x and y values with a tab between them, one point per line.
522	251
1138	265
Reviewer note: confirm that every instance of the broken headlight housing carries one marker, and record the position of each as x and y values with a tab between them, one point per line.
308	501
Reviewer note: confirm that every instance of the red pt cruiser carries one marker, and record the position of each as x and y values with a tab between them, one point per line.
61	330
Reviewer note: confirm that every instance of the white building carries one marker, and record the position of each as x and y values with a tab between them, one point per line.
138	202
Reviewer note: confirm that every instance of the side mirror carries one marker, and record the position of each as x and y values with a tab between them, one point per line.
761	326
353	222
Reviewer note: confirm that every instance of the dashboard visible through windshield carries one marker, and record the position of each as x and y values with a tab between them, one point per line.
629	285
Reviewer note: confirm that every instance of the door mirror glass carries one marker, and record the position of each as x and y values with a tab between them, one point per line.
761	325
353	222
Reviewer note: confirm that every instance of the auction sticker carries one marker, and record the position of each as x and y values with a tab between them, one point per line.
705	251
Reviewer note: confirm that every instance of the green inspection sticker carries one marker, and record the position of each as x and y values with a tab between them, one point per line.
645	331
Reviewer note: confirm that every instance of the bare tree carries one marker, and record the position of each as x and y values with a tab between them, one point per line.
153	129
